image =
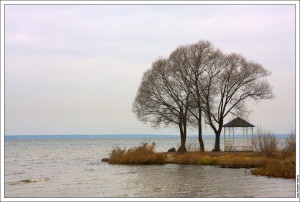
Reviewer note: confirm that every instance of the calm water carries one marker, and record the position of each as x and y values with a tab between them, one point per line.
72	167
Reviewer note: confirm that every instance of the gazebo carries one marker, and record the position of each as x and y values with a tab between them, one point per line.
229	144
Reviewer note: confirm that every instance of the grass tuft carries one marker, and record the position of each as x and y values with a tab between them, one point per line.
143	154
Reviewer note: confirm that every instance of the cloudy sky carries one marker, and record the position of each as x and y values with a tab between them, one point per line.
75	69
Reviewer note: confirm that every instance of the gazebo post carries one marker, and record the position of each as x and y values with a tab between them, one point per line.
224	137
247	145
252	140
243	138
247	135
233	137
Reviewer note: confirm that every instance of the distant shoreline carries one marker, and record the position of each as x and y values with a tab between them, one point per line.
125	136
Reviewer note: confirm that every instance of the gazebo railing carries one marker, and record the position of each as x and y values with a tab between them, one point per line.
248	146
230	146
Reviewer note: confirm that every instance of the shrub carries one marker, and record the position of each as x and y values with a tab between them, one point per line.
265	143
143	154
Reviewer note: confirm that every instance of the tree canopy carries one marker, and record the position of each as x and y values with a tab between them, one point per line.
198	82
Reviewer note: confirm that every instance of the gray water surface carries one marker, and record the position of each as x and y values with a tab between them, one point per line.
73	168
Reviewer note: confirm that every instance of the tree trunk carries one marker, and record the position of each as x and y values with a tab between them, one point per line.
182	147
200	135
217	142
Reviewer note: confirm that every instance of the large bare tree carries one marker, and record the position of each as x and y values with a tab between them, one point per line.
190	64
228	86
199	82
162	100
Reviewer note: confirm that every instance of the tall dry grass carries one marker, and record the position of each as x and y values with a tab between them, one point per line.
143	154
265	143
284	165
268	160
290	145
283	168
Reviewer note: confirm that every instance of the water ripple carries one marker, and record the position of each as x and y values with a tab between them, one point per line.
28	181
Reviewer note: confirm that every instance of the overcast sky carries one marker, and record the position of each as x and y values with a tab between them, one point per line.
75	69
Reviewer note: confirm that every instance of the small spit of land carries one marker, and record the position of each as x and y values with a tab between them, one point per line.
269	162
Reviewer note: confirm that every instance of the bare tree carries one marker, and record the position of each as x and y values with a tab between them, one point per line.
198	81
229	86
162	100
190	64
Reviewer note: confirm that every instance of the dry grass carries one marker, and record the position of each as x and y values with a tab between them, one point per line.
243	162
284	165
284	168
228	160
144	154
188	157
290	145
268	160
265	143
281	166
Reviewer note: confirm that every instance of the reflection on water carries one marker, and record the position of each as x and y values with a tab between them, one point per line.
73	168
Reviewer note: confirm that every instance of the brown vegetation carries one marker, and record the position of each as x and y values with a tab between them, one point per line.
265	143
284	168
224	159
283	162
290	145
268	160
144	154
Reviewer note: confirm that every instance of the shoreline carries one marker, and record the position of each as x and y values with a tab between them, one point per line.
277	166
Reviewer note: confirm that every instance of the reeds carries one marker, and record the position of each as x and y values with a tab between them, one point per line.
143	154
290	145
265	143
284	165
283	168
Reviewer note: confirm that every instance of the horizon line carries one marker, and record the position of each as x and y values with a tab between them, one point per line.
91	134
123	134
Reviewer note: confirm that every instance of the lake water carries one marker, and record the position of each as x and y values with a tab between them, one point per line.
65	167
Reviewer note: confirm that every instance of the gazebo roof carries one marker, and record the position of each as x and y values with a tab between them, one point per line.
238	122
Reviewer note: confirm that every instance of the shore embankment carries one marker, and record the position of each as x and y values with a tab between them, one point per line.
279	164
276	166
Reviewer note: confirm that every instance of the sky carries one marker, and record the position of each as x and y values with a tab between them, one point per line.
76	69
